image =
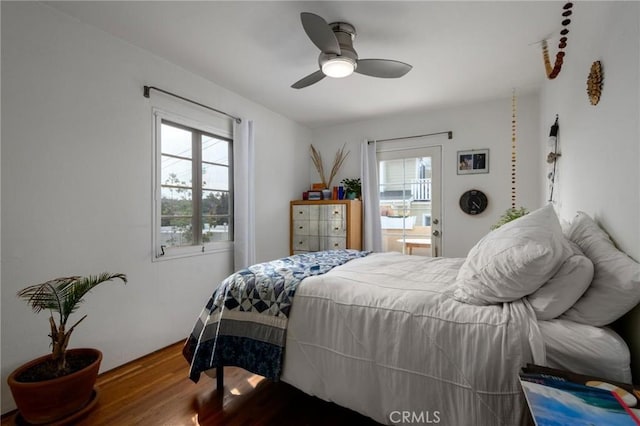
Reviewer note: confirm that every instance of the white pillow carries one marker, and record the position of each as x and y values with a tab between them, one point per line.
615	288
564	288
514	260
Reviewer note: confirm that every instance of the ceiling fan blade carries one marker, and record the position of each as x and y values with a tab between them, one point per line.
319	32
308	80
384	68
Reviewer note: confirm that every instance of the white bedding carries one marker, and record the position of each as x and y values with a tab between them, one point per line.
585	349
381	335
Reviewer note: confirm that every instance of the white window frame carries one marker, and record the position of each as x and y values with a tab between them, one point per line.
161	253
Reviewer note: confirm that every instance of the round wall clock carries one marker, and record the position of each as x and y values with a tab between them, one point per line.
473	202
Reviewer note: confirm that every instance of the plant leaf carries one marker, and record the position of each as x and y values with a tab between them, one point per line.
73	292
45	295
63	295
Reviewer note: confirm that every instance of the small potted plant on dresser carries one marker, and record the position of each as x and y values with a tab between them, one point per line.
60	386
353	188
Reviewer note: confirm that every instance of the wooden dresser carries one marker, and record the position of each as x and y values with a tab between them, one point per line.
325	225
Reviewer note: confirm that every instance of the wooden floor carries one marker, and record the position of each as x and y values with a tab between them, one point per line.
155	390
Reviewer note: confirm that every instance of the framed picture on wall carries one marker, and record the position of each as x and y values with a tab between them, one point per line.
473	161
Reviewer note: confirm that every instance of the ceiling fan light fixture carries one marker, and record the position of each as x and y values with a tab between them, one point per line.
337	56
339	67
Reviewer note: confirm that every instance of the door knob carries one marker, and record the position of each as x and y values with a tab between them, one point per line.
435	233
436	221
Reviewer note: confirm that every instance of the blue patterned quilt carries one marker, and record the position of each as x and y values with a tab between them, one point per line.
244	323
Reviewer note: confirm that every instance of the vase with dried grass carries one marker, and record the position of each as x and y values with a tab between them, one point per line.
339	158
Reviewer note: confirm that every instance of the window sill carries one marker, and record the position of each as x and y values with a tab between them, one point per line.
184	252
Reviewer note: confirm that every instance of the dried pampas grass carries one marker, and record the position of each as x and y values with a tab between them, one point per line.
341	155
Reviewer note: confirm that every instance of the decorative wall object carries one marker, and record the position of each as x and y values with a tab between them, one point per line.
594	83
552	157
513	149
552	72
473	202
512	212
473	161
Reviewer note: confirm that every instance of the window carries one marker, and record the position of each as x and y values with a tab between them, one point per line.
194	181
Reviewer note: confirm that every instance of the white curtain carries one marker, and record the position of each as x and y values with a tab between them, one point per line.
372	234
244	226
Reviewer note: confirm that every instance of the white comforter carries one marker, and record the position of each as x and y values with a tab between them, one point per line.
380	335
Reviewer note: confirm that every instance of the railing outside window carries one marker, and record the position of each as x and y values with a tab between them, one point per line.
421	190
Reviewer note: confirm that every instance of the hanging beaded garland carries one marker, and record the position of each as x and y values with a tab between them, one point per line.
513	149
552	72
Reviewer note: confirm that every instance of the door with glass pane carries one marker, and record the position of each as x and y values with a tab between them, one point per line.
410	200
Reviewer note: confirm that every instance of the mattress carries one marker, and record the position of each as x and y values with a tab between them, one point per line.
382	336
584	349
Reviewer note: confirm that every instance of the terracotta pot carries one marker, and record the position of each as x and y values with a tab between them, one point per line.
52	400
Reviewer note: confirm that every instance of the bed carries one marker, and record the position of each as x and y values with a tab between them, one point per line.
386	333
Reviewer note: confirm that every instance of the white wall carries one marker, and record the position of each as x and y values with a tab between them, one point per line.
476	126
0	181
598	172
76	185
600	145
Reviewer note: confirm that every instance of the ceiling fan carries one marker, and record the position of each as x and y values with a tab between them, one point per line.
338	58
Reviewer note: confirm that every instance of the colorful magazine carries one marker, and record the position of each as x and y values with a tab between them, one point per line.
556	400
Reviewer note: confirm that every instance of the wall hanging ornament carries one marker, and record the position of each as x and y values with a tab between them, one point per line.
513	149
594	83
473	202
552	72
552	158
512	212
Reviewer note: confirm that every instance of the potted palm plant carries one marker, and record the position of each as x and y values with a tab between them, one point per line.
59	385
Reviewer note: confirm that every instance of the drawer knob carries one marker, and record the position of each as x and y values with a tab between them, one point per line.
336	229
335	244
300	227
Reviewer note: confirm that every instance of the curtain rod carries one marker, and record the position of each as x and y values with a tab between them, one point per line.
449	134
147	93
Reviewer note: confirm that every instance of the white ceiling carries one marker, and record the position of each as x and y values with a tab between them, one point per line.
461	52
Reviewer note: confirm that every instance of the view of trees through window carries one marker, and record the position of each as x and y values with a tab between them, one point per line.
195	187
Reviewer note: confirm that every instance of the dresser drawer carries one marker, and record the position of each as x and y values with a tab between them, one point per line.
309	242
300	212
306	227
300	242
333	243
333	212
334	228
300	227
